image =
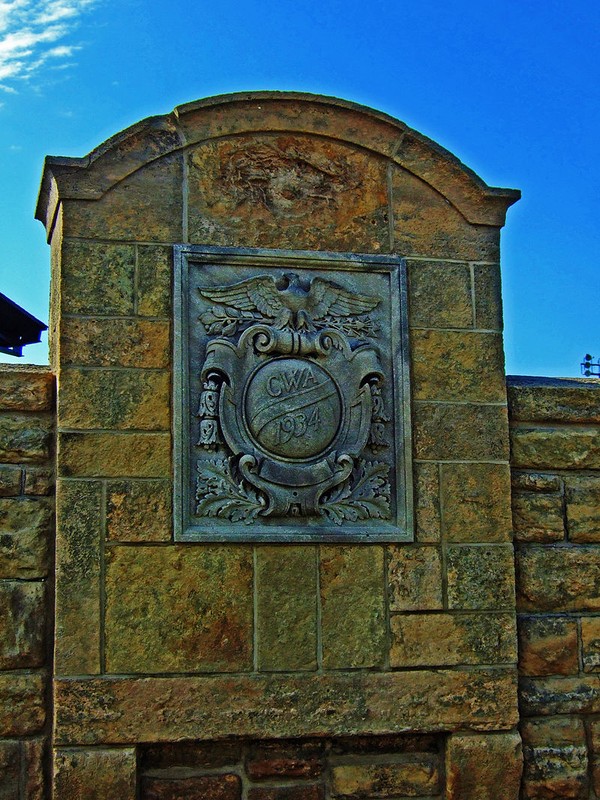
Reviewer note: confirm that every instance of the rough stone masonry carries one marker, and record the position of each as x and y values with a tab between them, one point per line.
138	665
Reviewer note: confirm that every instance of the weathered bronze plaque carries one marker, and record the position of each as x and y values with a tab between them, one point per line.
291	398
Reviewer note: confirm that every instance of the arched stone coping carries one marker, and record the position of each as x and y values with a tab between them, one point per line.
90	177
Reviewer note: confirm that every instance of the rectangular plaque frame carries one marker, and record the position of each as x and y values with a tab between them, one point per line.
382	276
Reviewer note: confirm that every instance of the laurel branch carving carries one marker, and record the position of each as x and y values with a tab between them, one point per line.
364	495
218	494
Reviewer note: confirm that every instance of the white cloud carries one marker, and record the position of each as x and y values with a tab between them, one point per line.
30	34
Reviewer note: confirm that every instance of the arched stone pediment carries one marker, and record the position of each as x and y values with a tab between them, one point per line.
278	126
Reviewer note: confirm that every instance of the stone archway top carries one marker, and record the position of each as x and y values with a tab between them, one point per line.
90	177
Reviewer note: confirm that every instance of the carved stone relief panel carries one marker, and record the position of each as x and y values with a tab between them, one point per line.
291	397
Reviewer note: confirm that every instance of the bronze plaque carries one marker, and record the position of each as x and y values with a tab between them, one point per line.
291	397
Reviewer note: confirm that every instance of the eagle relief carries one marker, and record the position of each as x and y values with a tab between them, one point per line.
292	388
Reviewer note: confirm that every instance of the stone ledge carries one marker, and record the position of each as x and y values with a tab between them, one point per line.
128	710
553	399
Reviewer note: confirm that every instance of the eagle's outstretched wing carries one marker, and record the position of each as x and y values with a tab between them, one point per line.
255	294
326	297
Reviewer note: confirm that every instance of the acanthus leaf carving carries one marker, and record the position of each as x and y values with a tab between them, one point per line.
219	494
364	495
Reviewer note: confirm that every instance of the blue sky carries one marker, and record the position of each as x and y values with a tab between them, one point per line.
511	88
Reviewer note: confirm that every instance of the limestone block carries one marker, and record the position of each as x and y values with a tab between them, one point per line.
27	388
24	555
22	624
146	206
439	294
10	770
25	527
554	399
527	481
558	695
287	191
205	119
547	645
34	779
460	432
25	438
415	579
179	609
337	703
457	365
556	759
555	447
308	791
538	516
204	787
153	291
376	745
415	777
590	643
353	629
476	502
483	767
97	278
195	755
595	754
438	640
286	598
138	511
39	481
488	297
95	774
115	342
427	502
481	577
114	399
10	480
122	155
79	531
416	154
283	760
558	578
20	514
22	703
426	224
583	508
114	455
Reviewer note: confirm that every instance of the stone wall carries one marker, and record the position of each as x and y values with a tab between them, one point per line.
263	672
26	545
158	641
555	434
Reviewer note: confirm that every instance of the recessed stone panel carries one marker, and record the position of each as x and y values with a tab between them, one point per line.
287	190
291	397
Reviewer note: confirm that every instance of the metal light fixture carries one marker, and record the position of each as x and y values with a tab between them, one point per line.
590	367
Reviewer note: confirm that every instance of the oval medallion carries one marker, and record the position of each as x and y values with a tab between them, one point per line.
293	408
